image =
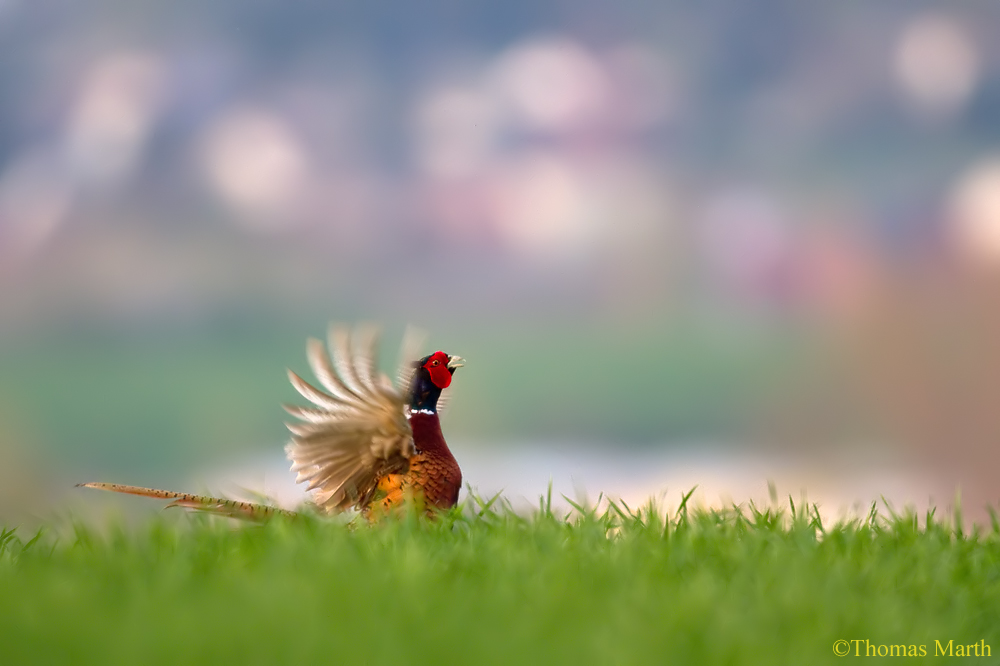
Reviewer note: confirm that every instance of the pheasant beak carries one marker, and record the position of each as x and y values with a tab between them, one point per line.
455	362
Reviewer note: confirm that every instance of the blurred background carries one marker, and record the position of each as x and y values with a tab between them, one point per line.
717	243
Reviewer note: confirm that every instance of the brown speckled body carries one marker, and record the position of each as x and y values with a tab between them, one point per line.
433	476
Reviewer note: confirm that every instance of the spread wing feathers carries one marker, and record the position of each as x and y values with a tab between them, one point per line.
356	431
409	351
225	507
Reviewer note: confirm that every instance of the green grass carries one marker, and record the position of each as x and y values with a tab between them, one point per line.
482	585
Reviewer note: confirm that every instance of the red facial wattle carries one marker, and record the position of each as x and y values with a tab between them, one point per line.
437	368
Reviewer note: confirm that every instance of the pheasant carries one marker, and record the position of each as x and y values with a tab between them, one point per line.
363	443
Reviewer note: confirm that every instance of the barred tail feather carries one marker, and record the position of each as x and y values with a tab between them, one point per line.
225	507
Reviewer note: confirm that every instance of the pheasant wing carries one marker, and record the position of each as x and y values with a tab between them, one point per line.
357	430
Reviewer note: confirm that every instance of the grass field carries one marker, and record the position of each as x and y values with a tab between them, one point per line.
482	585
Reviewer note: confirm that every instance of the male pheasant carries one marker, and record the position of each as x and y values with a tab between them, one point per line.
364	443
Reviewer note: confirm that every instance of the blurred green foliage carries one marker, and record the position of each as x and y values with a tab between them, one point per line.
170	401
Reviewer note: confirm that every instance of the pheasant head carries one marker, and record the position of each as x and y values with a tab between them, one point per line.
432	375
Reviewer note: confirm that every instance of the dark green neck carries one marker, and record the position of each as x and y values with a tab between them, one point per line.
423	393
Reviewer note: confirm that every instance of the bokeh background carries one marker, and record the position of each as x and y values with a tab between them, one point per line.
679	243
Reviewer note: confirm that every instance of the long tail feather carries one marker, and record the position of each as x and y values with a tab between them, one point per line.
225	507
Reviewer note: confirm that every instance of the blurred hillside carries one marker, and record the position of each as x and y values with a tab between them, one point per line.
642	224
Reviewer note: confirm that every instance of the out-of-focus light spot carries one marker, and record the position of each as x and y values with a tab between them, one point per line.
745	237
975	212
455	129
647	86
936	64
629	201
552	84
35	197
256	164
541	209
836	273
112	118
